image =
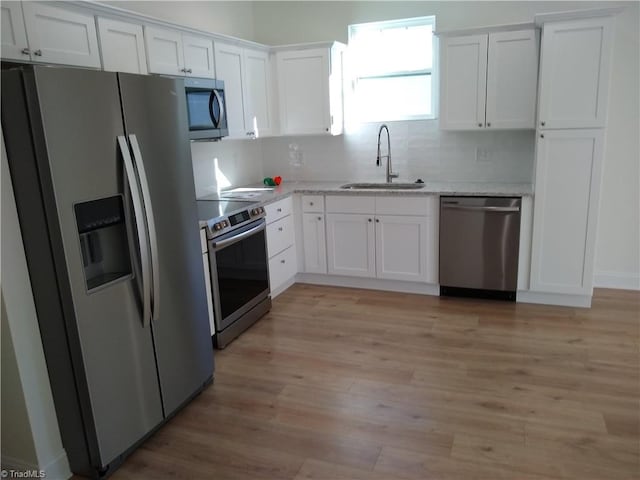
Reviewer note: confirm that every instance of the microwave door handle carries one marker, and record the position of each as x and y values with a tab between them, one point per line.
215	96
143	243
151	226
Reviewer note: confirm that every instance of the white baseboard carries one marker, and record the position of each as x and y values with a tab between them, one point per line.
282	287
620	280
583	301
369	283
56	469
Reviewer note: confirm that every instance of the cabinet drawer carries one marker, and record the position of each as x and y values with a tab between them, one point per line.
203	240
280	235
279	209
402	205
350	204
313	203
282	267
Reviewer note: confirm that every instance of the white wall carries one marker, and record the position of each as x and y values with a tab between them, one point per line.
30	436
233	18
618	248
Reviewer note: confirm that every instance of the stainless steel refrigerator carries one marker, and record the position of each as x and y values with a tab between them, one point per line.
101	168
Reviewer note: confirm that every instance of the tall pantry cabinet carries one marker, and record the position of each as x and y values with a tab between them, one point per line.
572	111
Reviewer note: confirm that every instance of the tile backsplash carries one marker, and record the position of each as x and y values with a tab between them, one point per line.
418	150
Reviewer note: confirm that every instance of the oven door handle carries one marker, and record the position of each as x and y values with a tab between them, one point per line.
237	238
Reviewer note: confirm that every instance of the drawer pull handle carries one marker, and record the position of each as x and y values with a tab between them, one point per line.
369	219
279	209
279	229
38	53
311	204
282	261
377	220
319	218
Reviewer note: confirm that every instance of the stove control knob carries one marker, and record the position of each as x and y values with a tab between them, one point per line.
225	224
217	226
261	209
254	211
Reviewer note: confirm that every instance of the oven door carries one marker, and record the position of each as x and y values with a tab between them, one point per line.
239	272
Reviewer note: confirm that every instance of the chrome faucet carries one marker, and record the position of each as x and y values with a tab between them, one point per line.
390	174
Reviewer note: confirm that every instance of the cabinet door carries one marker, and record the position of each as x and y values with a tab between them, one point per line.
574	73
14	34
229	69
122	46
207	282
164	51
568	170
282	268
402	247
512	79
258	116
314	243
303	86
60	36
463	80
351	245
198	57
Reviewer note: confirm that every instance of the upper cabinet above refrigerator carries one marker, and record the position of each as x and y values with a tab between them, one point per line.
37	32
488	80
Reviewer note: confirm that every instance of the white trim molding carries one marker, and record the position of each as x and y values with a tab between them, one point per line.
619	280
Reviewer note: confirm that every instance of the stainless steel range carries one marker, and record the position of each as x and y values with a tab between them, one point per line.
238	263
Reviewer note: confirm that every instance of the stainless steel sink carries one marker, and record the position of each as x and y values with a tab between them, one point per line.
383	186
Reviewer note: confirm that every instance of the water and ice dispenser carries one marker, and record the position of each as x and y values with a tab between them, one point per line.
103	241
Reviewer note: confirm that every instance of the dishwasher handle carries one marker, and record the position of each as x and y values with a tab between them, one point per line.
453	206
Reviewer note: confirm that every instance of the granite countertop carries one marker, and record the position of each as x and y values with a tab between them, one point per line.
333	188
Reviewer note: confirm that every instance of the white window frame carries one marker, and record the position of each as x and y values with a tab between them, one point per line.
432	72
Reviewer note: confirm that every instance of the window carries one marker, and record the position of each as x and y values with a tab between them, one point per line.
392	70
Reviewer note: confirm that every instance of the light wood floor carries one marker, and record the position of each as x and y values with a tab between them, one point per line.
353	384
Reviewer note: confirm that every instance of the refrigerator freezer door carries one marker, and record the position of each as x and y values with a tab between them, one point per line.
155	112
81	119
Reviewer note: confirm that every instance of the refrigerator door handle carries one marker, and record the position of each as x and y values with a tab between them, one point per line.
153	241
141	230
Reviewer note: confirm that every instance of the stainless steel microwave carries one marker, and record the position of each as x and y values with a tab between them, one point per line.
206	109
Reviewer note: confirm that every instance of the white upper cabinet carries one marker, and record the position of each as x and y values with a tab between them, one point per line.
258	108
574	73
489	80
463	80
172	53
198	56
512	79
14	34
567	178
310	90
122	45
229	70
247	83
43	33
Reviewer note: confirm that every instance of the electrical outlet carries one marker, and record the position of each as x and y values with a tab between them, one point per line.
482	155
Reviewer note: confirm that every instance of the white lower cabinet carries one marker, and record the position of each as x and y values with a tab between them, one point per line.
282	269
565	212
207	279
315	248
395	241
351	245
401	247
281	245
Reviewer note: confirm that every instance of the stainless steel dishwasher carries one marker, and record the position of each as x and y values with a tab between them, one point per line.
479	240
